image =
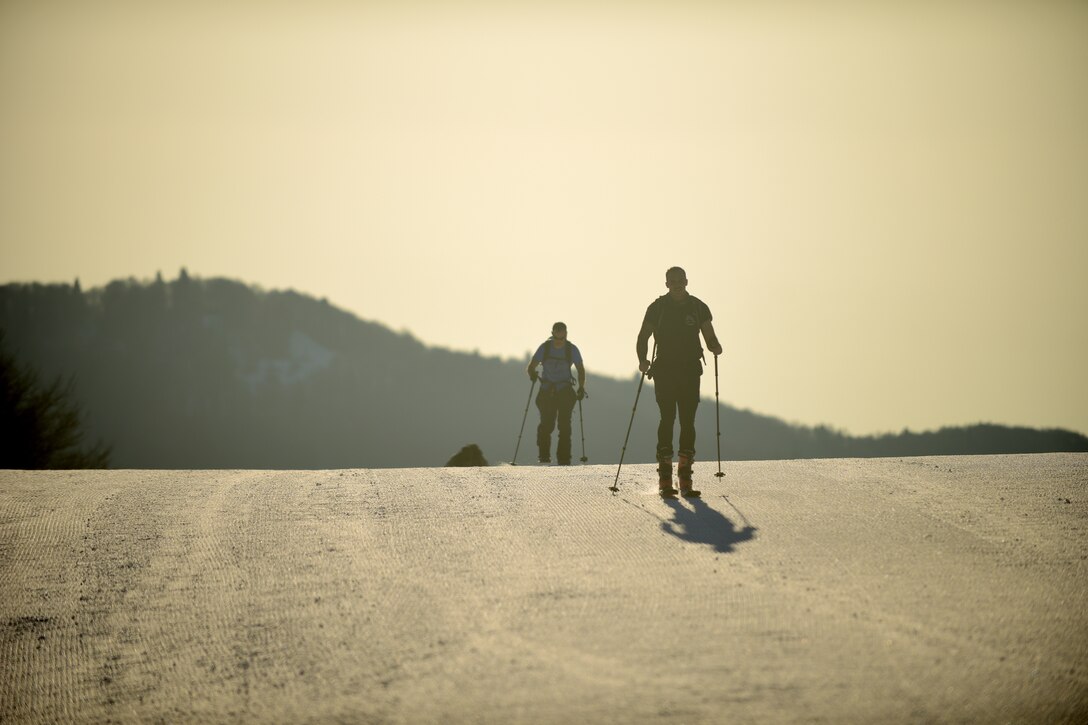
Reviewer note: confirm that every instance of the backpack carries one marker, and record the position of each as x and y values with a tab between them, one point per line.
568	349
674	340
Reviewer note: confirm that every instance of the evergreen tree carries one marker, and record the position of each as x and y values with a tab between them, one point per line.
40	424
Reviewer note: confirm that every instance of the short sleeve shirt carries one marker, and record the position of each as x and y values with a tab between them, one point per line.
556	368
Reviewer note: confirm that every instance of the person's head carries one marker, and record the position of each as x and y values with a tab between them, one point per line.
676	279
559	331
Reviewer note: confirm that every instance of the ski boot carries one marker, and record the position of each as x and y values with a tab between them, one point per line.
683	471
664	478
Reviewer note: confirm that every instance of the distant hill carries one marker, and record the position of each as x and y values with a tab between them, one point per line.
214	373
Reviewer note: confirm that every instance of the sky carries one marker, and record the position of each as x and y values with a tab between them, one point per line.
883	204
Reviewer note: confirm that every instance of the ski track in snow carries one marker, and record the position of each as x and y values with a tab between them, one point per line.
941	589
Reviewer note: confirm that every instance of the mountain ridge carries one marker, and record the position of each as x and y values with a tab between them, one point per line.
216	373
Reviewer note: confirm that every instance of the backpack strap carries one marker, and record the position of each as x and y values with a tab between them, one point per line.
567	351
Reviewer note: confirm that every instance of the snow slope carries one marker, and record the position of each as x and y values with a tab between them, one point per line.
924	589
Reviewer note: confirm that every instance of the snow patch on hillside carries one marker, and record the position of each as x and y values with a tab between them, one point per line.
306	358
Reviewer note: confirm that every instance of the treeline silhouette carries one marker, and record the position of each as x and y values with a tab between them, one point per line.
213	373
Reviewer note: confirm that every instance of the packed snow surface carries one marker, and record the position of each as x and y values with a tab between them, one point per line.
885	590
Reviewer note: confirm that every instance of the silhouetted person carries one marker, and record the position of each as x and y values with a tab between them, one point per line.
556	398
470	455
675	320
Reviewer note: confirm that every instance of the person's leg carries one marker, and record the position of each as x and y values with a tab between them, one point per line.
665	393
566	401
687	403
546	403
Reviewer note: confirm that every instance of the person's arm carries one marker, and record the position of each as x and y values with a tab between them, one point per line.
711	339
643	343
581	375
537	359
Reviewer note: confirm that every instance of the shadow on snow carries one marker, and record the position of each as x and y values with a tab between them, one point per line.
702	524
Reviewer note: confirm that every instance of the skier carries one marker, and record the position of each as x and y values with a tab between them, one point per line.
675	320
557	397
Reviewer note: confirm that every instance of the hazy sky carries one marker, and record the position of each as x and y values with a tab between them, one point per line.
885	205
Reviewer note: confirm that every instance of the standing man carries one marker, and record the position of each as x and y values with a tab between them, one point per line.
675	320
556	397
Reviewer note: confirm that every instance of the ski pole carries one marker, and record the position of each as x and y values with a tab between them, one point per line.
717	418
615	487
582	427
532	385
